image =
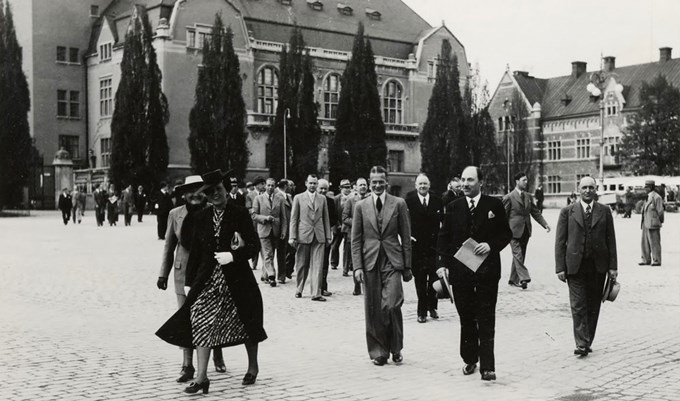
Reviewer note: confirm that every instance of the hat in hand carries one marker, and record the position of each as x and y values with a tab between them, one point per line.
442	288
611	290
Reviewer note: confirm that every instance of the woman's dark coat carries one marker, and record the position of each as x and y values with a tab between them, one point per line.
239	277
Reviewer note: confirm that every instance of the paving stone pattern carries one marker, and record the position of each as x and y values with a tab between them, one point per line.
80	307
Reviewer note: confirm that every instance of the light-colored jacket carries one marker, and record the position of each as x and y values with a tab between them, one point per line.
309	222
519	209
174	254
263	208
652	212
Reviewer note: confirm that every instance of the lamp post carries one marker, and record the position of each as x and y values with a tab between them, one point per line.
508	130
286	116
596	87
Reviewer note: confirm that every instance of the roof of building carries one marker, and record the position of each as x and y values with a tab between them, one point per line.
551	93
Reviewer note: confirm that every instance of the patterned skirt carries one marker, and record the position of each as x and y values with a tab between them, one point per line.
214	319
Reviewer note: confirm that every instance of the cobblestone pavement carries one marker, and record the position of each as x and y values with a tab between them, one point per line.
80	308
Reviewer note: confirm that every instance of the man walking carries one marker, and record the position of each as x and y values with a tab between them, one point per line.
519	209
310	231
128	204
347	216
652	220
585	251
538	195
257	188
100	201
65	205
481	218
425	212
381	253
162	207
235	197
270	215
340	201
333	221
285	254
140	202
78	199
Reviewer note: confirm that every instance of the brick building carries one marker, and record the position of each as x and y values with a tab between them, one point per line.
566	123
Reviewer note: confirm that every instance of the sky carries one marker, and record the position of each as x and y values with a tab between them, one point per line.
543	37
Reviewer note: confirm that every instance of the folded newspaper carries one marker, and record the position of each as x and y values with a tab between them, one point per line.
466	255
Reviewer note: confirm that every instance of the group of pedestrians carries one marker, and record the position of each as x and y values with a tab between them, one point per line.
213	236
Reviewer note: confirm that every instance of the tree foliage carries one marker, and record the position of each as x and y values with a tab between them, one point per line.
217	136
296	95
651	143
139	147
443	143
359	141
15	138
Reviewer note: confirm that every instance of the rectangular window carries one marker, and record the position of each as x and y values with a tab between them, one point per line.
61	53
74	104
554	184
395	161
105	51
71	143
62	103
554	150
73	55
68	104
583	148
105	150
105	97
94	10
191	38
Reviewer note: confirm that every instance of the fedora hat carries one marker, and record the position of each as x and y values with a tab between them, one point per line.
191	182
442	288
611	290
213	178
649	184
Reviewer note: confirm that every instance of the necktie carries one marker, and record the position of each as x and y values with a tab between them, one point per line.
588	211
472	206
378	205
425	203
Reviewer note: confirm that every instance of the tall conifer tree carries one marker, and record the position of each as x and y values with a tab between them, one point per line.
139	153
15	138
359	141
217	120
296	94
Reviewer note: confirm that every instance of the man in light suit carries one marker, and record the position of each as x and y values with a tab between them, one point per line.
652	220
270	215
585	251
257	189
340	202
310	232
381	253
519	209
475	293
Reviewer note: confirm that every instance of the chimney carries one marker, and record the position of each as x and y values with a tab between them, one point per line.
578	68
522	73
665	54
609	63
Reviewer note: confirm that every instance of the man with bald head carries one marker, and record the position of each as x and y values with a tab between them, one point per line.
585	252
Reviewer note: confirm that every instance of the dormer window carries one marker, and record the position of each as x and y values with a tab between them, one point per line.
566	99
344	9
285	2
315	5
105	51
373	14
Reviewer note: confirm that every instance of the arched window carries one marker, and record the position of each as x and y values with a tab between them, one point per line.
393	103
267	90
331	95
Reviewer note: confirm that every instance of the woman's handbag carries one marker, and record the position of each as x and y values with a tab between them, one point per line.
237	241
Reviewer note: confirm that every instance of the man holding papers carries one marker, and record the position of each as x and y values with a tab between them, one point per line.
482	219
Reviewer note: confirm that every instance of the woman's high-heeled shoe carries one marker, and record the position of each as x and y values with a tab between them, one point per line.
194	387
249	379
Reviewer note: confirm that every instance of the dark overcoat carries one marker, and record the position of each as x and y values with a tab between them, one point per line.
424	228
238	275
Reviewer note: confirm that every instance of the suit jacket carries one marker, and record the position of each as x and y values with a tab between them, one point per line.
339	209
263	208
128	198
393	237
308	221
652	212
100	198
348	212
570	238
332	212
250	198
174	254
163	203
487	225
519	209
240	199
65	204
425	225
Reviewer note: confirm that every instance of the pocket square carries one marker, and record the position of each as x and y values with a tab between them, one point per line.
491	215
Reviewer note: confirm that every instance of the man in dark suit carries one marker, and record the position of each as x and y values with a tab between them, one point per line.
519	209
270	216
140	202
285	254
453	192
347	216
425	211
65	204
100	200
235	197
481	218
381	254
333	221
340	201
162	207
585	251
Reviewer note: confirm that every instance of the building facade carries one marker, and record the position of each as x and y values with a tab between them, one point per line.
567	123
405	47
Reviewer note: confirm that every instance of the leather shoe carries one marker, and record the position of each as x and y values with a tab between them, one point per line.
282	281
298	295
334	267
422	319
219	366
272	282
345	274
249	379
355	292
397	357
523	284
469	368
434	314
643	264
379	361
488	375
319	299
186	374
326	293
589	349
656	264
581	351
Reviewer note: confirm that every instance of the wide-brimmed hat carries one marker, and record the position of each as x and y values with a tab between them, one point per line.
259	180
191	183
649	184
213	178
611	290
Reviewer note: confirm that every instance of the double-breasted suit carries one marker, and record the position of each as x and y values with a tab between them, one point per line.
269	212
585	249
475	293
652	220
425	222
519	209
310	228
381	246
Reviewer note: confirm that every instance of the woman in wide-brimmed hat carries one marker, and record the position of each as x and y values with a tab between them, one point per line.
224	306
